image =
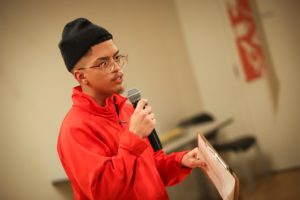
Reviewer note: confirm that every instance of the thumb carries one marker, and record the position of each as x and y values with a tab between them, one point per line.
141	104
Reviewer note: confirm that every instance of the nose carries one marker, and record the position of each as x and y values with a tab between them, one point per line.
116	67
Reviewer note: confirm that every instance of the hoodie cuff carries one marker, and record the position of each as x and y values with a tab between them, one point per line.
132	143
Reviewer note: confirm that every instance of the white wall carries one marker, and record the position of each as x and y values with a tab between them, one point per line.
220	80
36	87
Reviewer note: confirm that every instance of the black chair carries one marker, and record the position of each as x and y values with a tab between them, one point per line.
196	119
238	146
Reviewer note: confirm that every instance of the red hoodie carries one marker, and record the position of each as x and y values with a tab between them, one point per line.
104	160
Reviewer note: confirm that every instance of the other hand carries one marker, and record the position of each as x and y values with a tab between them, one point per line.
192	160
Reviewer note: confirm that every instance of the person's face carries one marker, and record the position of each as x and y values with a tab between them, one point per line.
101	81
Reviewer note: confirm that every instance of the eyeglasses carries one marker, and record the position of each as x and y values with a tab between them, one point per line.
108	66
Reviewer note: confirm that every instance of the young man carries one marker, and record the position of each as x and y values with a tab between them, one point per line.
103	142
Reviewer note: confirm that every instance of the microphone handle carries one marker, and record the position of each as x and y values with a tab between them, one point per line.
154	141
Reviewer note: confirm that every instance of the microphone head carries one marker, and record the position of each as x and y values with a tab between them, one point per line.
134	95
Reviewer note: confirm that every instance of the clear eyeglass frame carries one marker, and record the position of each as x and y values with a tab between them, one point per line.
108	66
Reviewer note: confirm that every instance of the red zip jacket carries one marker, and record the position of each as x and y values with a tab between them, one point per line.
104	160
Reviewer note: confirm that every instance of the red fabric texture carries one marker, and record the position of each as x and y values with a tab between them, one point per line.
104	160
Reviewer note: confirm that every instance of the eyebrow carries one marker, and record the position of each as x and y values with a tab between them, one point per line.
106	57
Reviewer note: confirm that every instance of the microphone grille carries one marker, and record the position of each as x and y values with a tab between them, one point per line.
134	95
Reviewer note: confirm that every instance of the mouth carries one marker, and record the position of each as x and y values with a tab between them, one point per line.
118	78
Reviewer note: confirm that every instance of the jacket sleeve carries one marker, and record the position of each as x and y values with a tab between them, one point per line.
92	169
170	168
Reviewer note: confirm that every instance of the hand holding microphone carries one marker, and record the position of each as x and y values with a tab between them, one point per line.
142	121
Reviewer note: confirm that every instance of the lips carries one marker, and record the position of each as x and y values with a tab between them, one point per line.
118	78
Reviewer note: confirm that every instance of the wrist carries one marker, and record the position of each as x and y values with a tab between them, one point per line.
182	159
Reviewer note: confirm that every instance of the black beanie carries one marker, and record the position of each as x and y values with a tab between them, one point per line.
77	37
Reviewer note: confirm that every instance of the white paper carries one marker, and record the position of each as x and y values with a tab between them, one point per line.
217	170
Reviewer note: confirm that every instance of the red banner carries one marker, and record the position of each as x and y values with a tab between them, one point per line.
247	39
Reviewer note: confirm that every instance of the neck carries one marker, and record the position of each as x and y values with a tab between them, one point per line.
99	98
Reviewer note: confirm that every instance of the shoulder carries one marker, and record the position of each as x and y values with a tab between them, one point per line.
76	120
76	115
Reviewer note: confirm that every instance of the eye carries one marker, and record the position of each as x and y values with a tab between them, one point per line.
118	57
103	64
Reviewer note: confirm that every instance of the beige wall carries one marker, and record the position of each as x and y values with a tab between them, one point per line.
36	87
214	59
181	58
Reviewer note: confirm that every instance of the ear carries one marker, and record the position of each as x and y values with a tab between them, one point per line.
80	76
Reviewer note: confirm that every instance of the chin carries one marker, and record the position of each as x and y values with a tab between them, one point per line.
120	90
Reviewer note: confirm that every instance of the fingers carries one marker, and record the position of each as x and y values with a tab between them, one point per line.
141	104
193	153
203	165
144	109
195	159
143	119
197	162
148	109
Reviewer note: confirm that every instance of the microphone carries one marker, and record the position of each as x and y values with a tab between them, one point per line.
134	95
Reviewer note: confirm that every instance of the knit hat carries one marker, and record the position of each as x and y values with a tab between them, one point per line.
77	38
